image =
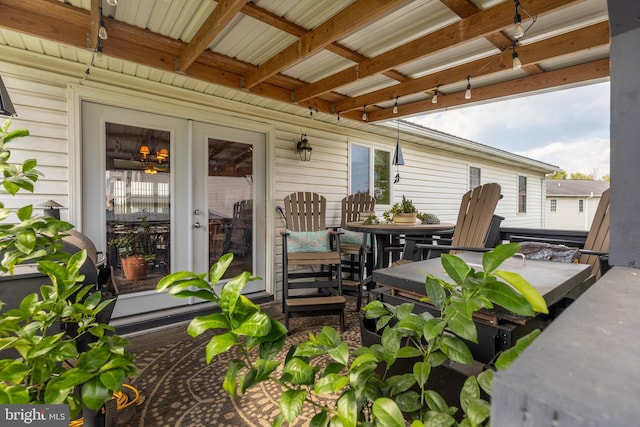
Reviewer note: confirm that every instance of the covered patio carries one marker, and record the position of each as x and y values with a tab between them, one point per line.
342	73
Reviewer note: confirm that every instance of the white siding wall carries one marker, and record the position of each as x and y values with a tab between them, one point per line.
42	109
567	216
435	180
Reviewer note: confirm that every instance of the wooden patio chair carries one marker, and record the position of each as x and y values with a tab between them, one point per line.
356	249
475	227
596	245
314	286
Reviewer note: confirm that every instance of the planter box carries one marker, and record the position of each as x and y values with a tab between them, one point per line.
447	379
405	218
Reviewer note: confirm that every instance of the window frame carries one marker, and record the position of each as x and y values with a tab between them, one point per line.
521	205
373	148
580	205
474	168
553	205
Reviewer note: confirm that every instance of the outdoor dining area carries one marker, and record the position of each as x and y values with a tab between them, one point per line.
388	261
302	251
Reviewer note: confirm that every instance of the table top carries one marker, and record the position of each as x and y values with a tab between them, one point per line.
406	229
553	280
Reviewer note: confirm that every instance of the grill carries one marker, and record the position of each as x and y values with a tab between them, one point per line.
94	268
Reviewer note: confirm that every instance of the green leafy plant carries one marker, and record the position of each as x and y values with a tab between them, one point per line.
429	218
54	348
362	396
133	241
370	219
406	206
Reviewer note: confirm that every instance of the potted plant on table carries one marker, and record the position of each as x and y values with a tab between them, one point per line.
402	212
131	244
53	350
428	218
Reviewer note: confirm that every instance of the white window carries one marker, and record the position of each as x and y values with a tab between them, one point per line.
581	205
474	177
522	194
553	205
371	172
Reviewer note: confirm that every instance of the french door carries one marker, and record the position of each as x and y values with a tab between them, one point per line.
163	194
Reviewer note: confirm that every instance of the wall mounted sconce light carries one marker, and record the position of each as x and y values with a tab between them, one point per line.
51	208
6	106
303	148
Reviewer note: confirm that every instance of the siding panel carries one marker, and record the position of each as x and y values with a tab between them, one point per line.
435	180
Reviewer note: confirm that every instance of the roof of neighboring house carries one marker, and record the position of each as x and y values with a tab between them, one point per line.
575	187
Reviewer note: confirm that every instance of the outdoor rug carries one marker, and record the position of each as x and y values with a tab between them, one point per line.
178	389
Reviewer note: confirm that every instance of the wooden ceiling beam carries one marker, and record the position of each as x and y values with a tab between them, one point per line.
95	22
475	26
289	27
70	25
579	73
347	20
531	54
217	20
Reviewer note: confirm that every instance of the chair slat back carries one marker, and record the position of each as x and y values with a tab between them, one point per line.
353	204
305	211
474	218
598	237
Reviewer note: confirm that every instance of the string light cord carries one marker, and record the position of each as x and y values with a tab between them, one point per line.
511	47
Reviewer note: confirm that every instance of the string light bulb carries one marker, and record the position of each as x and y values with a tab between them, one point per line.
434	98
467	93
395	106
517	64
518	29
102	31
365	117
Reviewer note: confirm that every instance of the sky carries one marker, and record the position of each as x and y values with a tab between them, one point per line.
568	128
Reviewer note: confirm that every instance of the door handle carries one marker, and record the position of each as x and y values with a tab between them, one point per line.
196	225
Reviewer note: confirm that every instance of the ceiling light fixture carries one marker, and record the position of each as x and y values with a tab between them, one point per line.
304	148
147	159
102	31
365	117
434	98
518	30
395	106
517	64
467	93
398	158
144	150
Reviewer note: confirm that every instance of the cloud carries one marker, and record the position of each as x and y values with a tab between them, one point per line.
568	128
589	157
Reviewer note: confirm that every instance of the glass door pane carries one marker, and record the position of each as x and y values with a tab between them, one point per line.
137	186
229	198
230	193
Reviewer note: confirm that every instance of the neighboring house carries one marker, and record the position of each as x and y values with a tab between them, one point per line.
84	137
572	203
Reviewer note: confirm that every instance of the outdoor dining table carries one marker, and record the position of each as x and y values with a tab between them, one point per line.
498	329
384	232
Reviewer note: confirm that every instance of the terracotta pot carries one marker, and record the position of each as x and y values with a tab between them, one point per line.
405	218
134	267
